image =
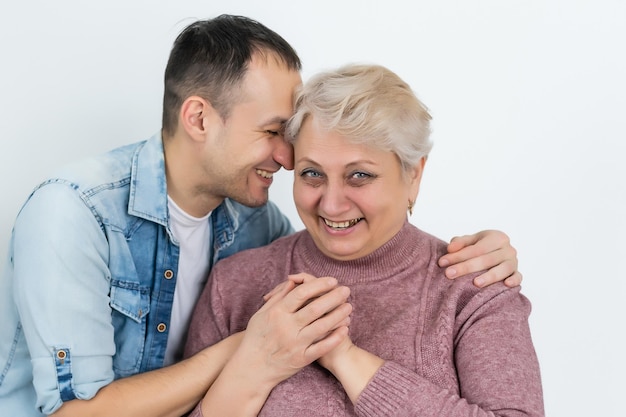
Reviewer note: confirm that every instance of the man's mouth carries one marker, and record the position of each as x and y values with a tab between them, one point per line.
342	225
265	174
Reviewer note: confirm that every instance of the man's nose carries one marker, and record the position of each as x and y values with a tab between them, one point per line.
284	154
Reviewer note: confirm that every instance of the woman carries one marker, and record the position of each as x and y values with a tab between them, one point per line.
416	344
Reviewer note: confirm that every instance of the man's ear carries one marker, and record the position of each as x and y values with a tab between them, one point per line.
415	178
196	116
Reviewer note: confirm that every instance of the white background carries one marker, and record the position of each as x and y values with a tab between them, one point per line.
529	106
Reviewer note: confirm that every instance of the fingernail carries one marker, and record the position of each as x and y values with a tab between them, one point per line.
479	282
443	262
451	272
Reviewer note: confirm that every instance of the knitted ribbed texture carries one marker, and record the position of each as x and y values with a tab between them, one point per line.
387	391
451	349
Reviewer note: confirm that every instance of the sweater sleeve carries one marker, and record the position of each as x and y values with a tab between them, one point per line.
495	360
206	327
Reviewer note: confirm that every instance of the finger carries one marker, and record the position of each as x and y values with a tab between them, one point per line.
301	277
468	261
323	346
321	327
322	305
495	274
459	242
476	258
346	321
454	259
514	280
484	262
295	278
275	290
462	248
304	293
277	294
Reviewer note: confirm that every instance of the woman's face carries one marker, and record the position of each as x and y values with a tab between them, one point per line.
351	198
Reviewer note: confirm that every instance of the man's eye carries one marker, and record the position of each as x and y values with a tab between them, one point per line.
276	132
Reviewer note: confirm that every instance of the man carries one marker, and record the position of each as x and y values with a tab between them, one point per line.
108	257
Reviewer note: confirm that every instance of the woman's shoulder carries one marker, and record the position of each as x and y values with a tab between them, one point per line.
279	245
460	289
437	246
269	257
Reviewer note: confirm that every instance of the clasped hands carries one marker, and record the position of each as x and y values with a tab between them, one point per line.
302	320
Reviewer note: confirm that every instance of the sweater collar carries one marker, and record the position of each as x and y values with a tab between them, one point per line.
397	254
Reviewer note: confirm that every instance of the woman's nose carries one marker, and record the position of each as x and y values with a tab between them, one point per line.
334	200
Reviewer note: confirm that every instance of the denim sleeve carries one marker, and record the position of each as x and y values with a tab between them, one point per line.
62	295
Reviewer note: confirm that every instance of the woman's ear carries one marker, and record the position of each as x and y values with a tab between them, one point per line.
196	115
415	178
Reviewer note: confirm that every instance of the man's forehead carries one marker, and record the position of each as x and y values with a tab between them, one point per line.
266	57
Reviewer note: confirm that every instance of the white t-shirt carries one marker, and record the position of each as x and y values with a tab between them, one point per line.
194	236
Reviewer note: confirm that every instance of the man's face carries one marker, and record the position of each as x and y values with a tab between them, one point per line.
249	147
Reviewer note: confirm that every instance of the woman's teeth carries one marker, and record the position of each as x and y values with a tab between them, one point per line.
342	225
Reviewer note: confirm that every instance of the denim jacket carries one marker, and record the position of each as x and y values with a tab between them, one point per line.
87	291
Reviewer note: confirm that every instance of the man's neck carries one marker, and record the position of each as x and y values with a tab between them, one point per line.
184	183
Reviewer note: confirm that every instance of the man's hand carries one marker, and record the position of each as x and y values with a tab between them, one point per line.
489	250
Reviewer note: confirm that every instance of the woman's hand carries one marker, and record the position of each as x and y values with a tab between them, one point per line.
353	367
302	320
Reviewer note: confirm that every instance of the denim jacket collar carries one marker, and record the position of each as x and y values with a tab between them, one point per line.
148	193
225	224
148	188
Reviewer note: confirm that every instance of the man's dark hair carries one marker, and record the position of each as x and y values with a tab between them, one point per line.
210	58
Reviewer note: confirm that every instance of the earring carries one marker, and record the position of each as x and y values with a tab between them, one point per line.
410	207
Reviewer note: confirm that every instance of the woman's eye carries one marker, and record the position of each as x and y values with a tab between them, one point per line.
312	177
309	173
360	175
358	179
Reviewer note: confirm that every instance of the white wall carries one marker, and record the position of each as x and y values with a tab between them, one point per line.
529	106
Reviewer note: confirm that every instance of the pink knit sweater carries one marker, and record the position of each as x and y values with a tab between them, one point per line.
451	349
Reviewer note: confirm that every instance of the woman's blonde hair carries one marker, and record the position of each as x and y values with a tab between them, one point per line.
367	104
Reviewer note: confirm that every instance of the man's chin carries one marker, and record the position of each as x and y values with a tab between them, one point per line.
251	201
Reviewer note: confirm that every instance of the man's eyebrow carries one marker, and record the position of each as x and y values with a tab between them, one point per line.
275	120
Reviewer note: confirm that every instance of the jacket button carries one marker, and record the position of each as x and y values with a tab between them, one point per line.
161	327
168	274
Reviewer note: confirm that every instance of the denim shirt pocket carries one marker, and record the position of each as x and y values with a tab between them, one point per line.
130	305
